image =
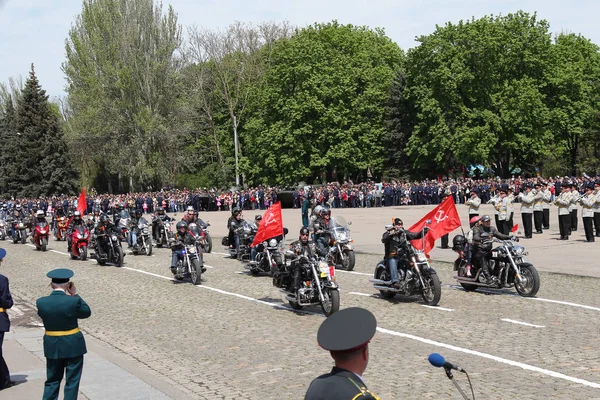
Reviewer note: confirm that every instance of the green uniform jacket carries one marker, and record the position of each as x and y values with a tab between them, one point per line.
339	384
60	312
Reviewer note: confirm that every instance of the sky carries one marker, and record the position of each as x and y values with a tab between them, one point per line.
34	31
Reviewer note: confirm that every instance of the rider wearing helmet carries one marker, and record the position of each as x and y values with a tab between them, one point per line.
182	237
234	222
482	245
190	216
158	219
321	231
133	226
104	226
396	241
75	222
301	247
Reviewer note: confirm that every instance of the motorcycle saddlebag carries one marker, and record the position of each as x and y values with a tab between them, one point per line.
225	241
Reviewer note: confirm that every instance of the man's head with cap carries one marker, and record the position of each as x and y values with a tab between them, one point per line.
60	276
346	334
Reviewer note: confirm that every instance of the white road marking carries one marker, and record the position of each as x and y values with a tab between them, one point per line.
438	308
409	336
219	254
512	321
361	294
59	252
352	272
566	303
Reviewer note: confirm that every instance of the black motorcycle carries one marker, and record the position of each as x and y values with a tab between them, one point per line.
341	251
143	243
415	273
205	239
507	266
188	264
108	248
269	256
245	234
318	285
20	231
164	232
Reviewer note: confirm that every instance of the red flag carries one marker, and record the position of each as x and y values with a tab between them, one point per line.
270	226
514	228
444	219
81	203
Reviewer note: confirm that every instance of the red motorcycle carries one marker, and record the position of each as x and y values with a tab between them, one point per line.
40	235
80	240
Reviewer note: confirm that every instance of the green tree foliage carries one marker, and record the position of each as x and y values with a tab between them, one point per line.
573	97
321	107
479	93
40	162
9	148
121	71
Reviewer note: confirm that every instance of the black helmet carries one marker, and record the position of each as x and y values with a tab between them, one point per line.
181	225
258	217
485	218
325	212
304	232
458	243
161	211
236	211
104	218
138	213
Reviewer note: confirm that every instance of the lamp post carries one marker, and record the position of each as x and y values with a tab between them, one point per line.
235	143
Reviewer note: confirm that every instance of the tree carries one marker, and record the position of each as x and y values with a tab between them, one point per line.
321	107
9	149
573	97
478	90
42	167
121	73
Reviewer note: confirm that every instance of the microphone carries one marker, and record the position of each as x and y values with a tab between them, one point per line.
438	360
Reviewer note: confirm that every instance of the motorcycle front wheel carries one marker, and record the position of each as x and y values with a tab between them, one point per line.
332	301
118	256
530	281
432	292
196	272
349	260
43	244
208	244
23	239
83	253
149	247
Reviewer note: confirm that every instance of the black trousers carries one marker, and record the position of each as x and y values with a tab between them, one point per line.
537	220
503	227
588	223
597	223
445	241
564	225
546	218
471	216
527	226
4	374
574	220
510	222
497	222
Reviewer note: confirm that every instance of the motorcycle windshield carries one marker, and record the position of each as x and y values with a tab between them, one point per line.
42	224
142	223
339	229
194	228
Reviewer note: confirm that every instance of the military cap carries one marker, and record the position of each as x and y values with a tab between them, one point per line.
2	253
347	330
589	186
538	184
60	275
597	183
504	188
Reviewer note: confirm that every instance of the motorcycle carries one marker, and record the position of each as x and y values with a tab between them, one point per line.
318	284
341	252
205	239
245	234
164	233
114	252
61	228
144	242
269	256
123	225
40	235
20	231
507	265
80	241
415	273
188	264
2	229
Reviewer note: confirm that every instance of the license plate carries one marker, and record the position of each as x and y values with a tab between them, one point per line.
494	254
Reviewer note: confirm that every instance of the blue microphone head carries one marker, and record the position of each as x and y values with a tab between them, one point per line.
436	360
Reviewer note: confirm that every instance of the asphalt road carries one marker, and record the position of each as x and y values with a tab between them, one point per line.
233	338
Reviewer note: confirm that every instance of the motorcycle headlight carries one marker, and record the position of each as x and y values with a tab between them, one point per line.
323	267
192	250
85	235
264	243
519	251
342	236
273	243
145	231
21	225
113	238
421	257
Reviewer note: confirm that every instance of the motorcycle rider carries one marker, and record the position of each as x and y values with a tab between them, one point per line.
482	247
133	228
190	216
474	222
40	218
75	222
162	217
59	212
16	216
105	226
322	235
301	247
182	238
233	223
395	240
259	247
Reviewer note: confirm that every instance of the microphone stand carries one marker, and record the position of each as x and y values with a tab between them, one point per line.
451	377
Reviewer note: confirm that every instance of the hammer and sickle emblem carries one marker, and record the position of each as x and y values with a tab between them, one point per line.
440	216
270	219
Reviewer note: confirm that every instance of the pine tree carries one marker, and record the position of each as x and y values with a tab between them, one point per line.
43	167
9	150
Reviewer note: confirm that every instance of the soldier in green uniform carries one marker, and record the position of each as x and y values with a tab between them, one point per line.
64	345
346	334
